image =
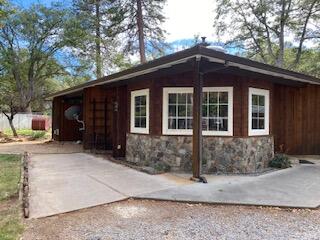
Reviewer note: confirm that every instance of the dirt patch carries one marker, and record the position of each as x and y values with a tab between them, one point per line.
134	219
40	146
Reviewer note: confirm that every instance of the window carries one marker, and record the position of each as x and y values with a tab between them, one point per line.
217	111
258	112
140	111
177	111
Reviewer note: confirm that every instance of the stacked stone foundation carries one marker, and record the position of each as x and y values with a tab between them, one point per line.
220	154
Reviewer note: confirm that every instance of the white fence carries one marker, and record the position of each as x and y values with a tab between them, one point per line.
20	121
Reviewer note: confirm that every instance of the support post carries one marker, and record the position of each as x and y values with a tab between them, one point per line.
197	120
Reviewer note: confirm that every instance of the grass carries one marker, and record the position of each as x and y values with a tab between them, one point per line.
29	133
10	210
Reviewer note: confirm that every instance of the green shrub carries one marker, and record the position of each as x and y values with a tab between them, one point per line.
280	161
38	134
161	167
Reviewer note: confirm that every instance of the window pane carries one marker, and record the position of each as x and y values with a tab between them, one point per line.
224	125
205	97
172	110
143	122
261	111
172	123
189	123
189	98
189	110
137	101
255	109
143	112
137	111
223	97
223	111
254	114
213	97
255	123
181	123
255	99
137	122
143	100
213	124
261	123
182	111
261	100
182	98
205	124
213	111
172	98
205	110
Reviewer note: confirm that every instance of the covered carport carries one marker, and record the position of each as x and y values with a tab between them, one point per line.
64	129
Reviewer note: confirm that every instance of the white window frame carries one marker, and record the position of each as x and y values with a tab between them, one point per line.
168	90
266	94
230	111
165	129
137	93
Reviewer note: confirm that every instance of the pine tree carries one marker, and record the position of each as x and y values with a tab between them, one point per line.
94	43
139	23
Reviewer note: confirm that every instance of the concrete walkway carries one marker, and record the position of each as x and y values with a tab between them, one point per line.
62	183
294	187
65	182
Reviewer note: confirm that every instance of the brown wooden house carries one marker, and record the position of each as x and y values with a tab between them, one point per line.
155	115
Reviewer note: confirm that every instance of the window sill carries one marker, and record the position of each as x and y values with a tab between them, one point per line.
140	131
254	133
204	133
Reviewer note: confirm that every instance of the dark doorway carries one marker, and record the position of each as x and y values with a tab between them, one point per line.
70	129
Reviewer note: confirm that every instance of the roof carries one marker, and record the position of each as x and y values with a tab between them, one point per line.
185	55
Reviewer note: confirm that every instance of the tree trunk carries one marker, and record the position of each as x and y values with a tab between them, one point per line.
142	49
280	58
28	109
98	41
12	127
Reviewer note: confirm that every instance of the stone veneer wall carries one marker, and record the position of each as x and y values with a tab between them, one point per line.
220	154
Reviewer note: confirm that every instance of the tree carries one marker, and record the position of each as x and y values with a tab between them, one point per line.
32	46
29	41
264	27
139	22
3	10
92	40
9	105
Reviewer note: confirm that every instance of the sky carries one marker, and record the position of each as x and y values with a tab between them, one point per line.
185	18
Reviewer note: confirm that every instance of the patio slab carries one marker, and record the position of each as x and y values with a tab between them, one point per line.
62	183
297	187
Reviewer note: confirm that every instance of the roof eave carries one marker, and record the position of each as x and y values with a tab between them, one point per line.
185	55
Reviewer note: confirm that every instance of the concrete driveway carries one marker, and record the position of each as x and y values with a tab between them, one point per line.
65	182
62	183
293	187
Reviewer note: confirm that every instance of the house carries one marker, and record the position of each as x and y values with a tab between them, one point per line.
154	114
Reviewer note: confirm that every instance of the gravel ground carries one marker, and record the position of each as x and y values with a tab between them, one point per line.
135	219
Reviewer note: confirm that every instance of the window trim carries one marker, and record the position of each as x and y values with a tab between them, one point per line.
168	90
266	94
230	112
165	103
137	93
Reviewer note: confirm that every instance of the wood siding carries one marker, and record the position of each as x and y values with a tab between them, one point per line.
240	96
296	124
56	117
68	129
107	125
294	110
97	124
